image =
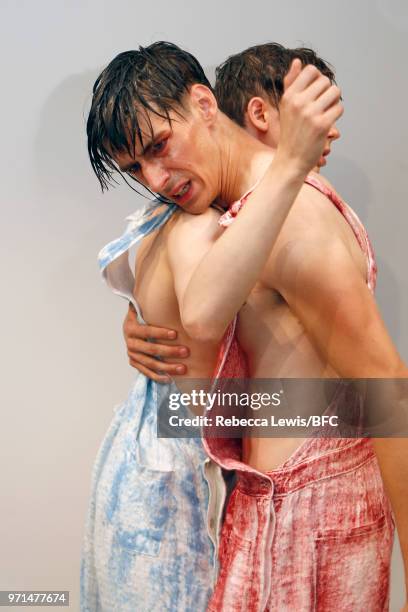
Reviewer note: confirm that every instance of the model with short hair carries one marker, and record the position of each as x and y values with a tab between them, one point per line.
193	276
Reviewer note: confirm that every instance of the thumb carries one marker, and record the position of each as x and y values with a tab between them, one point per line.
294	71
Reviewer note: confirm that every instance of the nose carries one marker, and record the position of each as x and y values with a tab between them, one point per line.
155	176
334	133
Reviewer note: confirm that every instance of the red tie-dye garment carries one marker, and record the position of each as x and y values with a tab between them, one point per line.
315	534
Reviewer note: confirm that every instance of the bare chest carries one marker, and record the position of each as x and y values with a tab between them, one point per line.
154	287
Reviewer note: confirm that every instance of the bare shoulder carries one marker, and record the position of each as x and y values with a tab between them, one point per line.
312	216
190	228
313	213
189	237
314	230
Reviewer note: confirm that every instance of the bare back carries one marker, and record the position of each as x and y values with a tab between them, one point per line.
274	340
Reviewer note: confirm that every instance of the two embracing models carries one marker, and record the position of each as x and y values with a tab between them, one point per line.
260	269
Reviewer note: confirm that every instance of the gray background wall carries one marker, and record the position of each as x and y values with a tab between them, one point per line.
63	364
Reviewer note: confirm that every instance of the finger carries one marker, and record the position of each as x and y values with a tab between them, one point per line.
334	113
160	350
317	88
157	350
150	374
304	79
328	98
151	332
157	366
328	117
294	71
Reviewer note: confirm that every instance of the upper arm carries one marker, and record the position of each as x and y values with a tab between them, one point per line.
189	240
326	291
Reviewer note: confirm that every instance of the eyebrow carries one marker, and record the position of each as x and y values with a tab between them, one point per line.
145	150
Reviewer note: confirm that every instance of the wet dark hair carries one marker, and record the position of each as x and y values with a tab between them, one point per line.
153	78
258	71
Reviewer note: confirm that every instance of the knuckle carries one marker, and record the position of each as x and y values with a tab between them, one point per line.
132	346
296	102
297	105
308	113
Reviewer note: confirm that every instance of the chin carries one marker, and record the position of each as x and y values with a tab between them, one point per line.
198	207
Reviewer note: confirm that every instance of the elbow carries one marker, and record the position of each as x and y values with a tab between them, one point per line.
378	367
400	369
202	328
388	364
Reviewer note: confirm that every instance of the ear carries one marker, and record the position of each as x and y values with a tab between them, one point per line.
257	114
203	101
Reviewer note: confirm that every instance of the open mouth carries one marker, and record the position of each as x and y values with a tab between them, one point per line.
183	194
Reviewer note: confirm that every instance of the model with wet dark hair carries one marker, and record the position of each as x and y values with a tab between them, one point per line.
147	544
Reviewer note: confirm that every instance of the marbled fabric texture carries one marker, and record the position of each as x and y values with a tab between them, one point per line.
146	546
315	535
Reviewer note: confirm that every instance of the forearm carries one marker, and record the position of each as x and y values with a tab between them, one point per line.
228	272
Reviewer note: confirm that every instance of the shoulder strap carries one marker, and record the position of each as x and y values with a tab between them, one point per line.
355	224
113	259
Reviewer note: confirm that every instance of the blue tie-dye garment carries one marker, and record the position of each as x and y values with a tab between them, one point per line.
146	545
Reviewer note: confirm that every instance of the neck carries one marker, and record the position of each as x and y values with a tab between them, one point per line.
243	161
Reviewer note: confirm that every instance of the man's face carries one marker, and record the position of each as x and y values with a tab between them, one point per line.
177	161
